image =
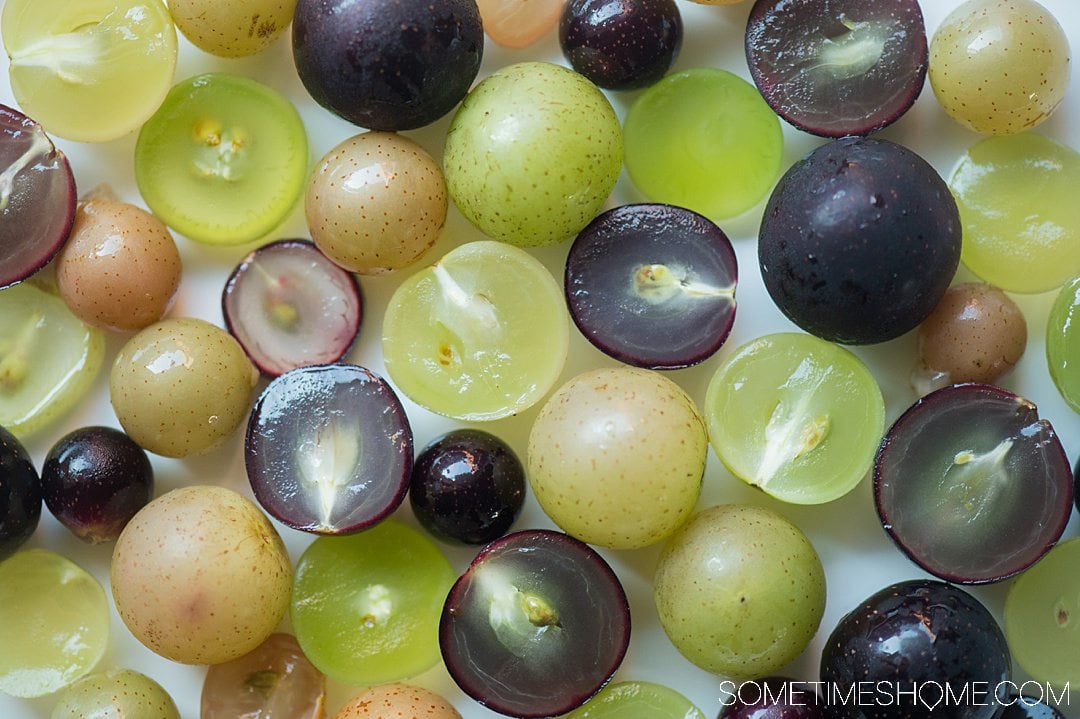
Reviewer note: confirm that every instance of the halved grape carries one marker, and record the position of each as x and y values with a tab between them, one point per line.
232	29
1021	222
479	335
223	160
91	70
48	357
37	197
536	625
289	306
329	449
20	494
653	285
519	23
54	623
116	694
637	700
1063	342
365	608
795	416
972	485
274	681
837	68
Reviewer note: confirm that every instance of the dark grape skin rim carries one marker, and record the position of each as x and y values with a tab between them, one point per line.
625	357
406	470
235	274
761	81
453	597
886	524
8	117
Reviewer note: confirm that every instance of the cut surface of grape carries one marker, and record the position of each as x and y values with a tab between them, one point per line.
92	70
1063	342
275	681
480	335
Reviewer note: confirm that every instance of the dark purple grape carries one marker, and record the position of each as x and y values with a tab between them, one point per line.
859	241
652	285
972	485
329	449
621	44
37	197
536	625
772	698
94	480
1017	706
837	67
289	306
388	64
467	486
20	494
924	632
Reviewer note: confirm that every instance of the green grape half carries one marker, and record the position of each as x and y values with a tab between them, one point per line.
1063	343
637	700
116	694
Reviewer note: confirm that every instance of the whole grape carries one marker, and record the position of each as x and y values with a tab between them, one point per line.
116	694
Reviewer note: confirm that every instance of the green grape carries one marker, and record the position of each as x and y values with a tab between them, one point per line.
48	357
616	457
1063	343
739	590
116	694
479	335
637	700
703	139
232	29
1021	221
54	623
796	416
366	607
532	154
91	70
999	66
223	160
1042	617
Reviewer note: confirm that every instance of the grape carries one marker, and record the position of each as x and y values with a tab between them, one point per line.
1018	706
376	203
120	268
94	480
20	495
232	29
480	335
37	197
275	681
999	66
365	607
1020	219
867	254
289	306
637	700
519	23
532	154
200	575
705	140
92	70
773	698
621	44
181	386
116	694
223	160
838	68
739	590
616	457
48	357
1063	342
54	623
387	64
398	700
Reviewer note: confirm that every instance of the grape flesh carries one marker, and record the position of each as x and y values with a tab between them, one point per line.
232	29
275	681
116	694
1063	342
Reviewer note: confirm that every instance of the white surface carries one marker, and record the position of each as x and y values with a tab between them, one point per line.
858	557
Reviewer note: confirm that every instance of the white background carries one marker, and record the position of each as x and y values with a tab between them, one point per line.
858	557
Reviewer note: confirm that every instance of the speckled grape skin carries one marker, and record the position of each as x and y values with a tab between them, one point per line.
398	701
975	334
120	268
739	590
376	203
999	66
918	631
532	154
181	386
236	28
621	44
200	576
616	457
116	694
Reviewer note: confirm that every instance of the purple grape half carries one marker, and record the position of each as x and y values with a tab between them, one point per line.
972	485
652	285
329	449
37	197
536	626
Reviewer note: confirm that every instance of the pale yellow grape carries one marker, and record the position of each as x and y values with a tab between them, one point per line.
232	28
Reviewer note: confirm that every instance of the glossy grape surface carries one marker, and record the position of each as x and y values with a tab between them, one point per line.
1063	342
637	700
274	681
519	23
20	495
